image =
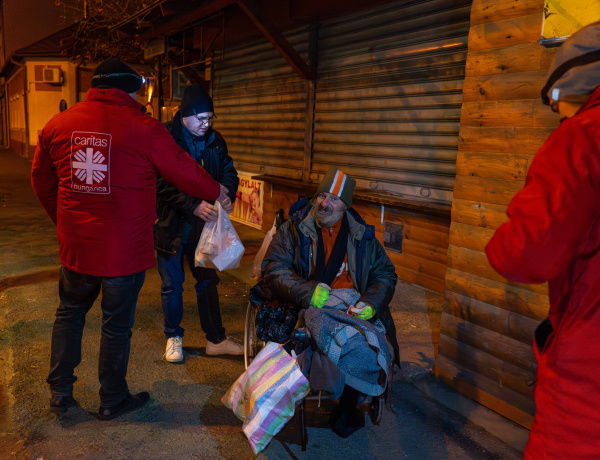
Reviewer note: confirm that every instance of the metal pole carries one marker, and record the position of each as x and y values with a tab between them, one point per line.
160	88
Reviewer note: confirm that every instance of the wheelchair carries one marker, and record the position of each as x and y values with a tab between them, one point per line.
299	340
252	344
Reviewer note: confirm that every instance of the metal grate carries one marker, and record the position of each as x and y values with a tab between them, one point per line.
393	235
389	96
261	104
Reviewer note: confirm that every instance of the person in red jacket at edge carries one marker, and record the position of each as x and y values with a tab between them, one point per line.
94	172
553	234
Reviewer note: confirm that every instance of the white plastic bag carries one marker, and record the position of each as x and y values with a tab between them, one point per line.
219	246
260	255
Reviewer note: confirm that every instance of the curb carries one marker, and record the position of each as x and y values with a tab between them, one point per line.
495	424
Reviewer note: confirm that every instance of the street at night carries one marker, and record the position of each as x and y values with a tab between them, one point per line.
185	418
415	187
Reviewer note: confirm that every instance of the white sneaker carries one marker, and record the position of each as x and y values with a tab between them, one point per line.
226	347
174	352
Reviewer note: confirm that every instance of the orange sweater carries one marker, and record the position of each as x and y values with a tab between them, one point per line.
342	279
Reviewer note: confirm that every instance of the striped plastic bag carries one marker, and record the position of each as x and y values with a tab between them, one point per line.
265	396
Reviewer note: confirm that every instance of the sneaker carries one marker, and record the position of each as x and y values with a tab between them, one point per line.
174	352
226	347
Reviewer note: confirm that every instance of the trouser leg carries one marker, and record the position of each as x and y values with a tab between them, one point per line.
347	418
207	296
77	293
209	311
119	299
172	275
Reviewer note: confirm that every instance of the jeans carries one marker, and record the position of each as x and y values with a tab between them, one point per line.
207	296
77	294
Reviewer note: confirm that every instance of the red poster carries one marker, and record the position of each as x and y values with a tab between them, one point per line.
248	206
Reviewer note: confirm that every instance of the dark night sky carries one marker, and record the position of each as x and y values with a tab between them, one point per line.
27	21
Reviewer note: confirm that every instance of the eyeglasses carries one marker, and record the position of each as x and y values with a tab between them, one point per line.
205	120
554	105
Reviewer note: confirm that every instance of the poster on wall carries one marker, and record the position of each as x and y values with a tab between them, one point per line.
248	206
562	18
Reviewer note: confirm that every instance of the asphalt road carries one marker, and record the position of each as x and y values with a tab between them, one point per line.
185	418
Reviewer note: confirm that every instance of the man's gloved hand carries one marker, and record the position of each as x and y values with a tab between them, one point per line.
320	296
362	311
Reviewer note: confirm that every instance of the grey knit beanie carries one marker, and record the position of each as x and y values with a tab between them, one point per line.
575	71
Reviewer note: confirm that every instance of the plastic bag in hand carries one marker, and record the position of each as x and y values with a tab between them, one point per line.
255	270
219	246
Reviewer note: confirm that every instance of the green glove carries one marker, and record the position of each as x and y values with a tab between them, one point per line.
320	296
367	312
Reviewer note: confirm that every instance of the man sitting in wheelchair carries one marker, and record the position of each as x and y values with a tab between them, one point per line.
325	266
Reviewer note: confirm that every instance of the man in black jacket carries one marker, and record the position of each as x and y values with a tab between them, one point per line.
180	222
326	261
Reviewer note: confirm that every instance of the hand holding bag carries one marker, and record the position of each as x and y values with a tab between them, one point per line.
219	246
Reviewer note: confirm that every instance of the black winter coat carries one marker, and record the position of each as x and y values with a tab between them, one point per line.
175	208
291	258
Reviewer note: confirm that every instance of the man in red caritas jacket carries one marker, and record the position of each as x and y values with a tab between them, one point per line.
94	172
553	234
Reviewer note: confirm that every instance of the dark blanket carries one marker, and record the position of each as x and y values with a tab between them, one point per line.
356	346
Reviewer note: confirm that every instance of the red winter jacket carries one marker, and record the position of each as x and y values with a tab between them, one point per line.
553	234
94	172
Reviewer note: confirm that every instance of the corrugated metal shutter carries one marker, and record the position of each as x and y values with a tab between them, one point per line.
261	107
389	94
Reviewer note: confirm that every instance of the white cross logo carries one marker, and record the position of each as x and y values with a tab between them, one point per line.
90	166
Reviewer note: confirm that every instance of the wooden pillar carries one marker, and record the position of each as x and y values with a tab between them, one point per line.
310	103
485	347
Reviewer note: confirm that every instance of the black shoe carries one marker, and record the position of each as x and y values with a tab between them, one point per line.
60	404
346	422
347	418
129	404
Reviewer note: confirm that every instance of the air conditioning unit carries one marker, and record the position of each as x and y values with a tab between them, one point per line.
52	75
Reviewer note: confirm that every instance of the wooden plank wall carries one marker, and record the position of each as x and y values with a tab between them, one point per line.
485	347
424	246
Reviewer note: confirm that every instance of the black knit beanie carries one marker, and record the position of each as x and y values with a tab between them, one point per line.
112	73
195	100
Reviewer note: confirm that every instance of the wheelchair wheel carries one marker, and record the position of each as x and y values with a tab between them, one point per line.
377	404
252	345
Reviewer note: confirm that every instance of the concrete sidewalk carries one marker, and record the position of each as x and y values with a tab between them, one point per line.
185	418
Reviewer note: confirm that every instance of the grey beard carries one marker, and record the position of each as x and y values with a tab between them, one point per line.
326	221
